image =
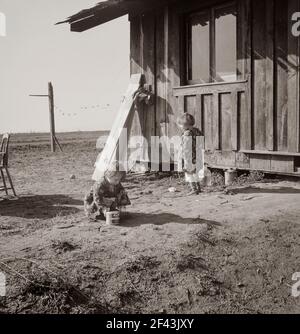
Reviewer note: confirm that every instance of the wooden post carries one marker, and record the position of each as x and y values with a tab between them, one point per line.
53	140
51	117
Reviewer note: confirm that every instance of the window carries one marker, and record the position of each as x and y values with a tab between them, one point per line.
199	27
212	45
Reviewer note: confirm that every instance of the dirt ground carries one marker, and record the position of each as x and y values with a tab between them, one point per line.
225	251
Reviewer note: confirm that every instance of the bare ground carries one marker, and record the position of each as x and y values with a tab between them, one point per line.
226	251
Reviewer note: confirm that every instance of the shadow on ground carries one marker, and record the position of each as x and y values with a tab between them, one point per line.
139	219
39	206
257	190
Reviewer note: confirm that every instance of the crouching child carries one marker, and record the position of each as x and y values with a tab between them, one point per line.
107	194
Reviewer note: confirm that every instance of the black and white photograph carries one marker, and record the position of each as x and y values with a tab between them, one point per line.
150	159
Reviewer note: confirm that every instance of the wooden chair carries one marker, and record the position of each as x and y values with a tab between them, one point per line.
4	165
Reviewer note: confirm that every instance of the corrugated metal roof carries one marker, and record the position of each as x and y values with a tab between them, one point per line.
109	10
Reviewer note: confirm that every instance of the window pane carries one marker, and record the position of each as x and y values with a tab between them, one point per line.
199	48
226	44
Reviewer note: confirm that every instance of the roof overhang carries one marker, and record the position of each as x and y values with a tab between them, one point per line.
109	10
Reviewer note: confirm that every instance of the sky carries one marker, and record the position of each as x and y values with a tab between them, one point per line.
89	70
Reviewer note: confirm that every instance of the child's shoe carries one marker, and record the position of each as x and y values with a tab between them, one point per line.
194	189
193	193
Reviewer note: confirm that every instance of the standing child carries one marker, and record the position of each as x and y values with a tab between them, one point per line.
192	165
107	194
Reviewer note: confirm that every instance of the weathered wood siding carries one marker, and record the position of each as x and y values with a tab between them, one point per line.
257	114
216	108
142	60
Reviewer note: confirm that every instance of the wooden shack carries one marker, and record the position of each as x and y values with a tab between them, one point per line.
234	65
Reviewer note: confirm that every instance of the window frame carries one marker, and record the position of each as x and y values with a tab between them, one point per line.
212	42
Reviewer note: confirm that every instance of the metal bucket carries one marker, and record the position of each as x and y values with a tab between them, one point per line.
230	177
113	218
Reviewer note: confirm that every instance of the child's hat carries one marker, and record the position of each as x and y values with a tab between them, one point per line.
186	120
